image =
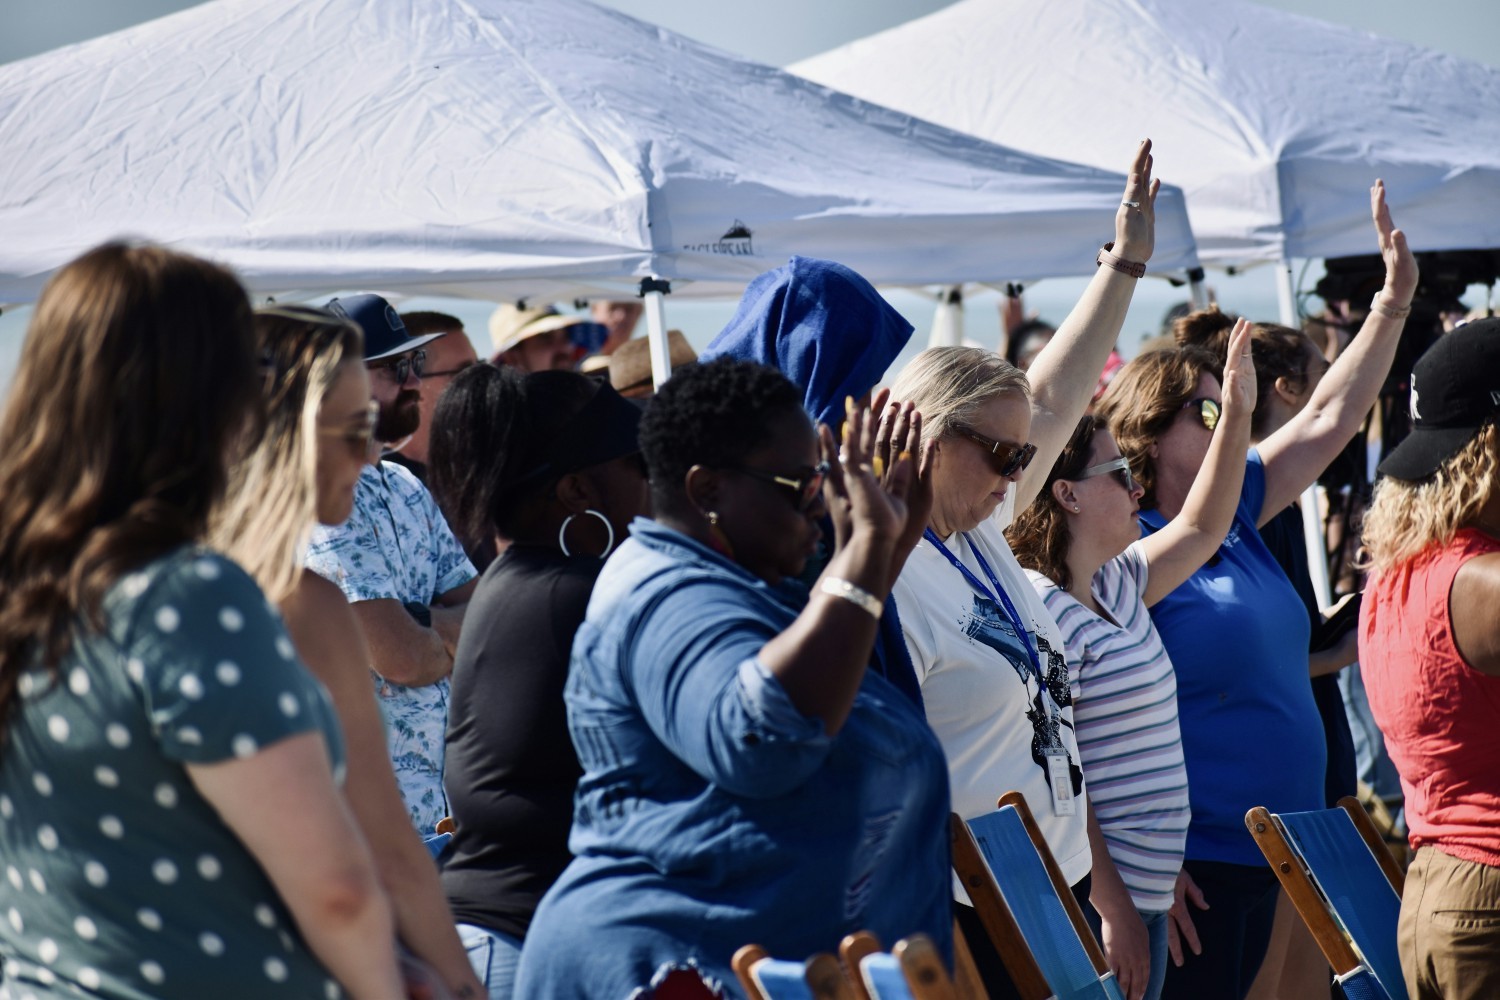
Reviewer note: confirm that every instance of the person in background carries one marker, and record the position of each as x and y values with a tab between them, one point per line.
1080	543
828	330
448	355
989	656
170	818
630	365
1288	367
549	462
619	317
318	437
746	778
401	569
1429	644
534	340
1237	632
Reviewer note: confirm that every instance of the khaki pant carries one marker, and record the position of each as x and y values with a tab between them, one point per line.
1449	934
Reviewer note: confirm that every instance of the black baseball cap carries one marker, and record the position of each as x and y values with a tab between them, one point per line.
1455	390
385	334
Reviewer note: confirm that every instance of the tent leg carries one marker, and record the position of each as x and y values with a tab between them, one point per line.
654	290
948	321
1197	290
1312	514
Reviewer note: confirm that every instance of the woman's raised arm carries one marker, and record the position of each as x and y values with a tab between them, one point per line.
1066	372
1299	452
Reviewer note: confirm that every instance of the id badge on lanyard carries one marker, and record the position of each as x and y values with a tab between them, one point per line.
1060	777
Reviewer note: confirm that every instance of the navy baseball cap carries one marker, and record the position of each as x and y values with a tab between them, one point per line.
385	334
1455	390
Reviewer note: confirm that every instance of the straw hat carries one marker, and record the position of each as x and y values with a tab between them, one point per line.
510	325
630	364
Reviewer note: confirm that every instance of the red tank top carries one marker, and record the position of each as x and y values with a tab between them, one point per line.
1440	716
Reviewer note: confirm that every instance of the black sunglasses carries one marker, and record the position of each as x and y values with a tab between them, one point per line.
1208	410
805	489
1008	460
406	364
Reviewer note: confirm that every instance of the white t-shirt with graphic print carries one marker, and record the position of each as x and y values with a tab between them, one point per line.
983	698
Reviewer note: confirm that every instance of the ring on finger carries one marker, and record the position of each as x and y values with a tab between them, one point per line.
1131	204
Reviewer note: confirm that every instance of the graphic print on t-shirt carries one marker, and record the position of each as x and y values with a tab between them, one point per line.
988	624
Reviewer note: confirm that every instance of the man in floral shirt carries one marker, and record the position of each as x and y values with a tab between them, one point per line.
402	570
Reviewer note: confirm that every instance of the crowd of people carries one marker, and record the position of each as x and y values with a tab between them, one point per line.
336	661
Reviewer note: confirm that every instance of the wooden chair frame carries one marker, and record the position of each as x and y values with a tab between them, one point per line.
1271	836
996	916
822	973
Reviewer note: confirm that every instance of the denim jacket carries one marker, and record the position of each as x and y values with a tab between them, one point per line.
712	813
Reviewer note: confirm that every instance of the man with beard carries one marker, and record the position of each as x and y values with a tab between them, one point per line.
404	573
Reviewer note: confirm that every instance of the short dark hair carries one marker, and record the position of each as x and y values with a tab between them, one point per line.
714	414
421	323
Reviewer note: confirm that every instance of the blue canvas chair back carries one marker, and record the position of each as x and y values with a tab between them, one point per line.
1357	890
781	979
1028	891
884	978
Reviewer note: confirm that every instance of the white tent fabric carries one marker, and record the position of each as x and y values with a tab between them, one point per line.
508	149
1275	125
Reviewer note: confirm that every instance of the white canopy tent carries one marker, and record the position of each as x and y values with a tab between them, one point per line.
1274	124
508	149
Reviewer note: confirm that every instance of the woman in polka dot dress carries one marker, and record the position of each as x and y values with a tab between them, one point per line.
318	436
170	825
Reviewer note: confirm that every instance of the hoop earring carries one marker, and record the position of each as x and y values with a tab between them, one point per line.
562	542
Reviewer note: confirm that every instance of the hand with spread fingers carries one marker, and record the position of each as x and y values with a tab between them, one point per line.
863	504
1135	219
900	433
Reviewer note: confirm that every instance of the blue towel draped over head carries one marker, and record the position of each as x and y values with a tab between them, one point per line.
826	328
823	326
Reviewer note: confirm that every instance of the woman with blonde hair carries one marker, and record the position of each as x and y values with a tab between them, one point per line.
1429	645
317	437
986	651
170	817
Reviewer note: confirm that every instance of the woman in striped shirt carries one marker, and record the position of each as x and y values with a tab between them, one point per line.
1081	546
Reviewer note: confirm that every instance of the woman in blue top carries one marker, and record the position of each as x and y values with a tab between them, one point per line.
746	779
1236	631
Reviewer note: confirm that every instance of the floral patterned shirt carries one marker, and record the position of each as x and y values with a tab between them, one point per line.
396	545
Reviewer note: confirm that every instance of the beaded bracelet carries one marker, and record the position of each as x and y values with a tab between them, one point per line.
858	596
1389	312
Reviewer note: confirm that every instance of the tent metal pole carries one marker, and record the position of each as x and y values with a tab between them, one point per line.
948	320
654	290
1197	291
1312	515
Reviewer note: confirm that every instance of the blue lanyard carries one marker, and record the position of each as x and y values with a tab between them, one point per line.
998	595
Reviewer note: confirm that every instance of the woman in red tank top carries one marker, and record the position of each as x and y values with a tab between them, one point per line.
1430	651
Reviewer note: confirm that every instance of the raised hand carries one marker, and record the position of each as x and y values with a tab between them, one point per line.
1240	387
868	505
1400	264
1135	219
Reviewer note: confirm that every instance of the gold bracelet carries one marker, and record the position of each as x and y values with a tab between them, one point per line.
1389	312
864	600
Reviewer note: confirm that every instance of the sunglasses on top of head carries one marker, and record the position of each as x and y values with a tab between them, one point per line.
1008	460
1120	466
406	364
805	489
1208	410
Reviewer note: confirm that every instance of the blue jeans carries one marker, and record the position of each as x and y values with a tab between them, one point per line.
1156	945
494	956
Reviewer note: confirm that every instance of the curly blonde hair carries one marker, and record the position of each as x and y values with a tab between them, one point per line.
1406	518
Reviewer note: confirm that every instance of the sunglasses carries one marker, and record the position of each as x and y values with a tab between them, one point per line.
406	364
361	439
1008	460
1119	465
805	489
1208	410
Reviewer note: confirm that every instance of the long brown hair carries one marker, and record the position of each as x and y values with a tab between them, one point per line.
137	373
1144	399
1039	535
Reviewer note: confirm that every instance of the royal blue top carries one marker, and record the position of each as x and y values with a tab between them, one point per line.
1237	634
711	813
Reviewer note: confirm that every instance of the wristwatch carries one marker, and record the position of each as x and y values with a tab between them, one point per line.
1130	267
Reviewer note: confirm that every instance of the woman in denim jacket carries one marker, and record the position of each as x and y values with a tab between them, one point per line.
745	777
